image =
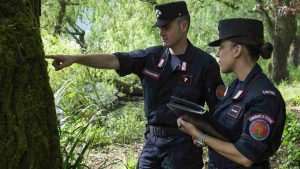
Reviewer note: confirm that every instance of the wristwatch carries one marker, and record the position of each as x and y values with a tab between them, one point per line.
200	142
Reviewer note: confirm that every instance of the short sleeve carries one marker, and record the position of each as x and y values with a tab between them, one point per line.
262	128
131	62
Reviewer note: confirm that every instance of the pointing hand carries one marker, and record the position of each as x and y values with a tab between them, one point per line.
61	61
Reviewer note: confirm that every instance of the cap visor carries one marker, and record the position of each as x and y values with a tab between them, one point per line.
215	43
161	23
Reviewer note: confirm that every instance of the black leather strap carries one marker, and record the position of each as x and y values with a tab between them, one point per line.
165	131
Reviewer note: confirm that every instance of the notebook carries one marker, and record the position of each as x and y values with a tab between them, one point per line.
198	116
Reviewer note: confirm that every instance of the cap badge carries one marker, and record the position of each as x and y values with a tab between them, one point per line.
158	13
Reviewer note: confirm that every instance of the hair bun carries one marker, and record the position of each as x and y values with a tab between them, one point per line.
266	50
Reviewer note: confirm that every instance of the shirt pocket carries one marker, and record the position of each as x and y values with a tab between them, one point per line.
187	92
233	120
151	92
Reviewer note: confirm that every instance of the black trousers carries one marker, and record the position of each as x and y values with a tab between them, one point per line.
173	152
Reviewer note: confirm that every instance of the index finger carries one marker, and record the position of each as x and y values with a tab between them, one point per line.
55	57
50	56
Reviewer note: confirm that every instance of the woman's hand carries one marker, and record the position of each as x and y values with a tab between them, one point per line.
189	128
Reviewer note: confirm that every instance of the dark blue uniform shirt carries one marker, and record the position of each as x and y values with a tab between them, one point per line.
196	80
193	76
254	116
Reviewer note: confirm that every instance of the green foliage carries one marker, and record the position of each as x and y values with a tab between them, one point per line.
290	93
49	14
127	124
126	25
295	101
290	149
294	73
130	161
71	135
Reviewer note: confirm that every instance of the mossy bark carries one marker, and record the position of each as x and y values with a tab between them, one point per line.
28	124
282	37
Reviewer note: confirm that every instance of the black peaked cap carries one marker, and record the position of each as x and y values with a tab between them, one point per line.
240	29
165	13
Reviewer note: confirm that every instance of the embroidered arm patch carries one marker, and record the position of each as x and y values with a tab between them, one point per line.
259	128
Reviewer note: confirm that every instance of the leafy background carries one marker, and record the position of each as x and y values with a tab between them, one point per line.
100	125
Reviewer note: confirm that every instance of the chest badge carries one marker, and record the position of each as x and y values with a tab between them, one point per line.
152	74
235	111
186	79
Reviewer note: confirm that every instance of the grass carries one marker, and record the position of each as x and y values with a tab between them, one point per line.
290	93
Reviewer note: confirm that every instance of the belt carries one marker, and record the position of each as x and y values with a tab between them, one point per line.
165	131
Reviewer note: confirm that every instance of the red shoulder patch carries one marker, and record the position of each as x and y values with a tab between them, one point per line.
259	129
220	92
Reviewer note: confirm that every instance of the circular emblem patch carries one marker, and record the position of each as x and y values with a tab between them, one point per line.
259	129
220	92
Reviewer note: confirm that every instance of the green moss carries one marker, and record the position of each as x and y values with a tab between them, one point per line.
28	135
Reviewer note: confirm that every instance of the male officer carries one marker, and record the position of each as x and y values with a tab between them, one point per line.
176	68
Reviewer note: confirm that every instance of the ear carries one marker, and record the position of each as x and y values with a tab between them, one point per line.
237	51
184	26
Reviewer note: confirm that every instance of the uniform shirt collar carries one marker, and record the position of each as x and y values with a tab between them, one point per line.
254	72
238	89
177	60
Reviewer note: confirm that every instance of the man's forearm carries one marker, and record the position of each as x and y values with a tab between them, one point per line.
101	61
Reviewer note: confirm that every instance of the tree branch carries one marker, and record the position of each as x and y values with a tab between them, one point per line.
80	39
260	8
60	17
77	33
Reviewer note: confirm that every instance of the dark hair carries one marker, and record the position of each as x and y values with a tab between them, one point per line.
265	50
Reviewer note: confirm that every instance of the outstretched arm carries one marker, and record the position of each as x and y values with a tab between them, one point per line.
101	61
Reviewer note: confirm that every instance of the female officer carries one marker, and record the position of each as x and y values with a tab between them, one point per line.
253	110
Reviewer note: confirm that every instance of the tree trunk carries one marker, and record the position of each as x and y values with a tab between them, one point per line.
28	124
283	36
295	51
